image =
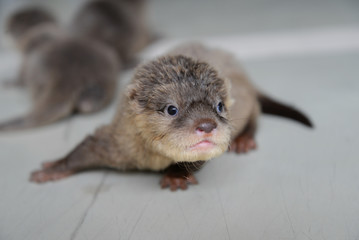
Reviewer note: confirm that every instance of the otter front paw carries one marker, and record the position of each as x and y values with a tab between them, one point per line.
243	144
50	172
45	175
177	180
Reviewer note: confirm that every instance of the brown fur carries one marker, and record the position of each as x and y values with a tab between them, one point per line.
120	24
143	135
64	74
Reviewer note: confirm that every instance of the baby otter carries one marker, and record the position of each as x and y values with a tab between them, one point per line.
120	24
64	74
179	111
19	24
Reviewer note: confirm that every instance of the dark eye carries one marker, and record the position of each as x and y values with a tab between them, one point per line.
172	110
220	107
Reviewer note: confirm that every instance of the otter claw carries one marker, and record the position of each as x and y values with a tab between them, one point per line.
177	181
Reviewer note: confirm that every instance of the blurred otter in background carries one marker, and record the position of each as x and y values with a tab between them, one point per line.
120	24
19	24
65	74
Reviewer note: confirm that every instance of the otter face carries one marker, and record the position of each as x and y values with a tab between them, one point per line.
181	108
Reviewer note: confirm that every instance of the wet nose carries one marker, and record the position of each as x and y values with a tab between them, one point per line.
206	126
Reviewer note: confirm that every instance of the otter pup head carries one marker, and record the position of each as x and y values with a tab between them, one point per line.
181	108
26	19
32	27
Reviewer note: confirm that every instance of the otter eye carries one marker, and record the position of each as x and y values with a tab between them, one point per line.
220	107
172	110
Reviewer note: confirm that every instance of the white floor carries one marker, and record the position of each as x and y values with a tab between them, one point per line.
299	184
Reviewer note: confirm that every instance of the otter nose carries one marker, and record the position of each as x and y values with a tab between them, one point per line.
206	126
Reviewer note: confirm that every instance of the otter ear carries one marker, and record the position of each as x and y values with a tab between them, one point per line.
229	101
131	92
132	97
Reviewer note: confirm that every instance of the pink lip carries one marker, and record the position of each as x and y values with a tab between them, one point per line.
202	145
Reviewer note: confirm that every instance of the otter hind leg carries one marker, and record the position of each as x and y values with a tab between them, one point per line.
94	99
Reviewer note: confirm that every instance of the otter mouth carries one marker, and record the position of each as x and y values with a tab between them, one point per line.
203	145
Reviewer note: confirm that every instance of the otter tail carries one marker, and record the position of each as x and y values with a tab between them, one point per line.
273	107
43	113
